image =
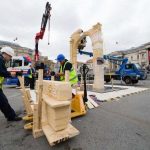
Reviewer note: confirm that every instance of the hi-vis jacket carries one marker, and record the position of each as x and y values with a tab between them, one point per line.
72	76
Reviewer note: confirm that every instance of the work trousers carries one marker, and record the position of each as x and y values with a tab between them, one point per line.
32	82
5	107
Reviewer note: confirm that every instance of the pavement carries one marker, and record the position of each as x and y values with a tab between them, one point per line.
114	125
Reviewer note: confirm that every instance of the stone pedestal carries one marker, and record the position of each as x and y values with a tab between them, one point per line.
99	78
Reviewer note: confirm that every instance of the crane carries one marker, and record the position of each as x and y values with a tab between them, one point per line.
39	35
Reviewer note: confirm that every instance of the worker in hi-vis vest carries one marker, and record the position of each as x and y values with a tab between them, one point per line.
7	110
31	76
66	65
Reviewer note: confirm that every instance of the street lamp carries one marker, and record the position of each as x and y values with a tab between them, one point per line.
15	39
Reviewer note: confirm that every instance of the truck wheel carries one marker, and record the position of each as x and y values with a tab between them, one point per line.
26	81
128	80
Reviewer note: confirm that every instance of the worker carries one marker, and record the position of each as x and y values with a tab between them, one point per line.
7	110
31	76
65	65
42	66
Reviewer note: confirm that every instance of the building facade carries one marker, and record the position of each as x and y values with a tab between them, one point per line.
140	55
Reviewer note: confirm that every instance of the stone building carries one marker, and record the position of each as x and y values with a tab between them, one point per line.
140	55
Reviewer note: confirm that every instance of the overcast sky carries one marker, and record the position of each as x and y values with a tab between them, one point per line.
126	22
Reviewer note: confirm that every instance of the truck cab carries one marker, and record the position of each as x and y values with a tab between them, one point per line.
131	73
17	66
139	71
18	63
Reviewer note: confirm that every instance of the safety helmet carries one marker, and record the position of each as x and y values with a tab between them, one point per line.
8	51
60	57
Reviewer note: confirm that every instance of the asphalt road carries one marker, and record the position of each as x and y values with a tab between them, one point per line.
115	125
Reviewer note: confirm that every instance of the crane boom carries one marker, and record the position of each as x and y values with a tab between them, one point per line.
39	35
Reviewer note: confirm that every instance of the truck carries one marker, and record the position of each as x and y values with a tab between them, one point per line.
18	65
130	73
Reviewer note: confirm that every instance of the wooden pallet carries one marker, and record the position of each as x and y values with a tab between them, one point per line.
54	137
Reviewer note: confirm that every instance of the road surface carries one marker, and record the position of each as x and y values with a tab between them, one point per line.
115	125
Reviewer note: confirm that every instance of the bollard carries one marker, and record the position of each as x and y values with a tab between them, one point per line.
84	70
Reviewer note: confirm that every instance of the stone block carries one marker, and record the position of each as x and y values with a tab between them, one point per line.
58	113
57	89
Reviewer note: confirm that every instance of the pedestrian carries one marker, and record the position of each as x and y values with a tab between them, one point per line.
31	76
65	65
6	109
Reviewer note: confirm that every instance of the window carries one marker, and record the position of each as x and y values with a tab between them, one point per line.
143	56
17	63
131	57
138	57
26	63
129	66
138	66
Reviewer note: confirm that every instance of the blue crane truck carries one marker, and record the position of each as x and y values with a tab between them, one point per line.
130	73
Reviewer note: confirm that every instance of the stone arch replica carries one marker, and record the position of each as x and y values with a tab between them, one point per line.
95	35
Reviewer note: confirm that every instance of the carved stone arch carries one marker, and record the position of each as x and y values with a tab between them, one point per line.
95	35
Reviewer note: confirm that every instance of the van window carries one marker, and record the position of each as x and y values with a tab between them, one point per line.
129	66
16	63
26	63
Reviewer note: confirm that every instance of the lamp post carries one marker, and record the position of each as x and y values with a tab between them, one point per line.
15	39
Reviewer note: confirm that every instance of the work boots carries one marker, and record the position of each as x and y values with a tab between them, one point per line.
15	119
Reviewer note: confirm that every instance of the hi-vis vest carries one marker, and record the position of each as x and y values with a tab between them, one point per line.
1	82
72	76
30	75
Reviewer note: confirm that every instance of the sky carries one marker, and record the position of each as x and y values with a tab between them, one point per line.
125	23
